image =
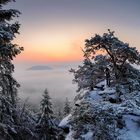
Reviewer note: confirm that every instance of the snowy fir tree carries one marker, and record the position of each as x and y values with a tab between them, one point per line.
89	74
8	85
8	50
12	115
67	107
83	76
46	127
109	110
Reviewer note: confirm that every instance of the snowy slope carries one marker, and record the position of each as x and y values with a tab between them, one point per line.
129	109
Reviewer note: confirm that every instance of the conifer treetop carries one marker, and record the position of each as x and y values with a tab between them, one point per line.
8	32
5	1
118	51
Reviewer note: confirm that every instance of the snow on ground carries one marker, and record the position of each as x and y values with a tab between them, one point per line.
69	136
132	131
88	136
101	83
108	90
97	95
65	121
94	96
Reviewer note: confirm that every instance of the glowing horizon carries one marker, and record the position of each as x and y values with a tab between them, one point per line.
53	31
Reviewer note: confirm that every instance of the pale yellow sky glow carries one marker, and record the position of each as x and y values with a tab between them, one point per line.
44	45
56	30
51	49
55	46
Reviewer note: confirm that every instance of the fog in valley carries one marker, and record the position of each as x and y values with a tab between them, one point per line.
34	78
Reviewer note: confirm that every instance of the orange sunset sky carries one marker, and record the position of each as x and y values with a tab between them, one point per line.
53	31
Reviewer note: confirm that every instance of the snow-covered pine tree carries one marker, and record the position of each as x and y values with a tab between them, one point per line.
83	76
99	114
120	57
46	127
90	73
8	50
67	107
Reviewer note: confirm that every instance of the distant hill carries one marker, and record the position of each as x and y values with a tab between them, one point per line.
40	67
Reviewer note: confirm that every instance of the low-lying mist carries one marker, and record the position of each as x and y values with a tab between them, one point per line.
58	81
